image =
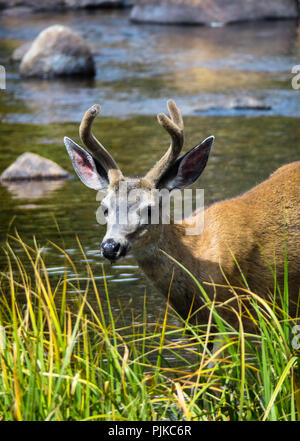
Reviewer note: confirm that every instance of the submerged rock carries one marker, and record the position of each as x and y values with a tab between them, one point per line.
58	51
211	11
76	4
31	166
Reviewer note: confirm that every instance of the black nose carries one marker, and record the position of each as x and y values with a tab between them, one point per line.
110	249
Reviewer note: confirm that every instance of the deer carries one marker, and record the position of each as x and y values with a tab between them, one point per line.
243	237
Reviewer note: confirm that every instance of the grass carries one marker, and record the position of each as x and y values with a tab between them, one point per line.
63	360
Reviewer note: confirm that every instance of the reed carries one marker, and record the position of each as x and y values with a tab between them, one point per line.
63	360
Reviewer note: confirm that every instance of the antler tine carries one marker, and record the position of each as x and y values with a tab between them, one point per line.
175	114
95	147
174	126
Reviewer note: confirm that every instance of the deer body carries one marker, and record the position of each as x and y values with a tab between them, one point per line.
249	227
256	229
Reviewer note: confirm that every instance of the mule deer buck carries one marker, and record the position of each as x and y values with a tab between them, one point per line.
256	229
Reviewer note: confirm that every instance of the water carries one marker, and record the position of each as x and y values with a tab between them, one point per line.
208	71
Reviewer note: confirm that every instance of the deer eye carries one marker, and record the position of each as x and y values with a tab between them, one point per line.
105	211
146	215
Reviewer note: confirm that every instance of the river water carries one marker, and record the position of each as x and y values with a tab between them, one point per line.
233	82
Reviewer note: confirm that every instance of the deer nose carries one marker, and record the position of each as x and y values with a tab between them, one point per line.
110	249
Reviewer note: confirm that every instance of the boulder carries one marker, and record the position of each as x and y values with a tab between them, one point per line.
211	11
31	166
58	51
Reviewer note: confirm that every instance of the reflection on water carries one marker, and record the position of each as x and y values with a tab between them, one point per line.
138	67
33	189
245	152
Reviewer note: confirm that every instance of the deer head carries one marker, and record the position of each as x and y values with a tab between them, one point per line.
133	197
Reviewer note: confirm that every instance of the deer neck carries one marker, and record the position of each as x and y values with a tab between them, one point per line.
165	274
159	241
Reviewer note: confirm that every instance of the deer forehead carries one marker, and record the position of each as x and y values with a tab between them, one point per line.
131	184
133	190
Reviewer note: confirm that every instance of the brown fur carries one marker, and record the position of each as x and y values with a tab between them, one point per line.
251	227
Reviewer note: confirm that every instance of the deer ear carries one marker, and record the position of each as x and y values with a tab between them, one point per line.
188	167
89	171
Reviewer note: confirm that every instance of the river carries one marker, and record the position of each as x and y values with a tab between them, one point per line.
233	82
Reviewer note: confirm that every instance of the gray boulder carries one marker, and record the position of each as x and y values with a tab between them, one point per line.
31	166
58	51
211	11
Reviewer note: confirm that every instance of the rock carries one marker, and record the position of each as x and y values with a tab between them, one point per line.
79	4
228	103
19	53
33	5
211	11
15	7
58	51
31	166
249	103
18	11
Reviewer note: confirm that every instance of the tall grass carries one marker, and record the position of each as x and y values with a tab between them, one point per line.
62	360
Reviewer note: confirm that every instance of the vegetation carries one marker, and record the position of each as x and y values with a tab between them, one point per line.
63	360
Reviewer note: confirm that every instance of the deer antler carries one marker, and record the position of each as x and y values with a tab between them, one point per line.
95	147
174	126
